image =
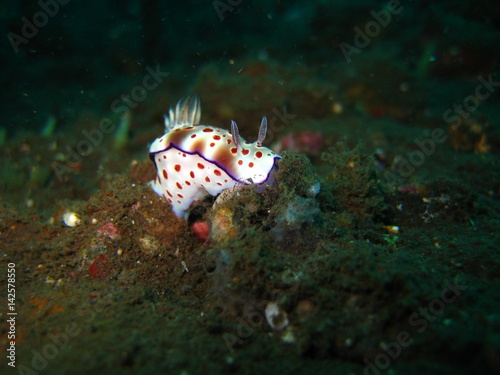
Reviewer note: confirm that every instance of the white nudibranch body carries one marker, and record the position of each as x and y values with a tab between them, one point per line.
193	161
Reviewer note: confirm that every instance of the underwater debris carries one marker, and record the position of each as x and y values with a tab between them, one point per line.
100	267
71	219
428	56
121	136
436	202
276	317
109	229
470	135
50	127
149	245
223	223
337	108
298	212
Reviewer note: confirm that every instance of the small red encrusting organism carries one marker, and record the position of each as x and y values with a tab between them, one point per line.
109	230
100	267
305	141
201	230
412	189
377	112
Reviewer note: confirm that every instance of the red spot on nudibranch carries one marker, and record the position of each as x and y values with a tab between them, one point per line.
165	175
250	165
193	135
164	156
216	137
207	179
212	144
218	183
169	200
191	174
159	160
245	152
240	162
183	155
180	196
217	172
201	166
177	167
228	141
234	150
187	182
258	154
207	130
178	185
170	194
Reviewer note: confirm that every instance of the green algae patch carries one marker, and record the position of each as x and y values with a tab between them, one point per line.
351	193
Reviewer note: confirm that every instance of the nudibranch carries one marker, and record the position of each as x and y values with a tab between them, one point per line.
194	161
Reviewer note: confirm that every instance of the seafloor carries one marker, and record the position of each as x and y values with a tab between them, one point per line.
375	251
